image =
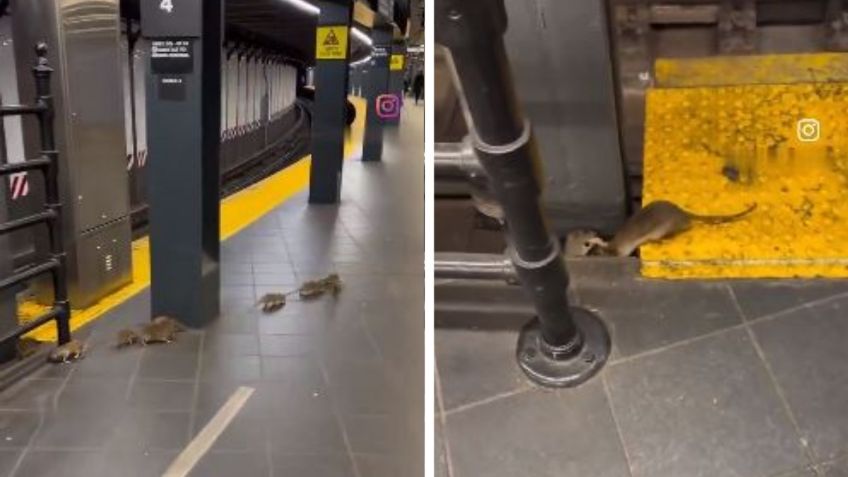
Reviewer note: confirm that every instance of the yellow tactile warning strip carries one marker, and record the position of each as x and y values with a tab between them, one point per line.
237	212
747	70
788	145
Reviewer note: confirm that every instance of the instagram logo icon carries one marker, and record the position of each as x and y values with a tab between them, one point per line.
388	106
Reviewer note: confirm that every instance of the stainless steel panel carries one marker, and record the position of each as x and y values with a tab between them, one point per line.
83	37
94	99
104	258
563	71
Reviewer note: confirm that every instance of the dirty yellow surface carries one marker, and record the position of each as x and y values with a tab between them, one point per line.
237	212
788	143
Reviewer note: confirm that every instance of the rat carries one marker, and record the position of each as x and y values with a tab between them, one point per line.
161	332
70	351
127	337
579	243
315	288
271	302
168	321
656	221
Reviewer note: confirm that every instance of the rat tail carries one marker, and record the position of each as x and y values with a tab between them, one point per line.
720	219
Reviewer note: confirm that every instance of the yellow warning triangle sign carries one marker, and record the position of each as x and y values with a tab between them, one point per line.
331	39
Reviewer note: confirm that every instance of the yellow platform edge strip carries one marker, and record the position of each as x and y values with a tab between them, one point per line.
238	211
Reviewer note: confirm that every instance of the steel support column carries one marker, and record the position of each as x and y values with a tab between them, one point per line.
563	346
397	65
377	85
183	136
328	118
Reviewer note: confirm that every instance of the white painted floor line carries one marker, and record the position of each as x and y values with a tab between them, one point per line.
203	441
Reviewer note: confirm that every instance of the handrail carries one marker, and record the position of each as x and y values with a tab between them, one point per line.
48	164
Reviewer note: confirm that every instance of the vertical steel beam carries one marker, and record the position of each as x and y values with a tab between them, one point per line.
183	123
332	52
397	64
380	106
563	346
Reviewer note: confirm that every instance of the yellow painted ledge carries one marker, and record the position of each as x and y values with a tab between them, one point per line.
238	211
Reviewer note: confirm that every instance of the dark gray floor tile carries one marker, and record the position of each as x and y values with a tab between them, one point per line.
759	298
295	370
476	364
806	350
109	362
230	464
231	344
216	367
134	463
17	428
352	386
8	460
837	468
375	434
372	465
156	364
89	429
647	314
150	430
296	434
161	395
703	409
537	442
285	345
43	463
93	394
333	465
30	394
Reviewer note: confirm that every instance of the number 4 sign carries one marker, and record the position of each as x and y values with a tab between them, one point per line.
167	5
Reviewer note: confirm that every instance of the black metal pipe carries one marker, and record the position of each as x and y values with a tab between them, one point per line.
29	165
555	350
456	160
44	99
29	273
23	222
473	33
19	109
473	266
50	315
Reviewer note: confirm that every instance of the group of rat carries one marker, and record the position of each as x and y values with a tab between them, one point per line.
164	329
656	221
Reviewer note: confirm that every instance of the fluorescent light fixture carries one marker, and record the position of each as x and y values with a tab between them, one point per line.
304	6
362	36
362	61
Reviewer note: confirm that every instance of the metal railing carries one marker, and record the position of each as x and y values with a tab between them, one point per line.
48	164
564	345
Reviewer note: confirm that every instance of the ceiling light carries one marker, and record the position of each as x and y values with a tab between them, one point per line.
304	6
362	36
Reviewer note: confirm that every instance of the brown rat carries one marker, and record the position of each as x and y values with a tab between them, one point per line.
70	351
161	332
656	221
271	302
579	243
127	337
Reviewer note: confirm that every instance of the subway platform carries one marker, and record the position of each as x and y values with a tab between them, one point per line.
338	380
721	378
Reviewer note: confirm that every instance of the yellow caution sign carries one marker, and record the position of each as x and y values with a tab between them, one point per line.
331	43
396	63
